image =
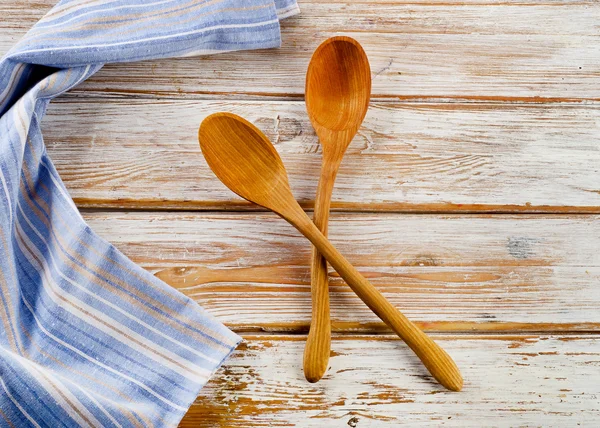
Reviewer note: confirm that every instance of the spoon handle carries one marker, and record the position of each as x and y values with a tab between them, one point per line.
318	343
437	361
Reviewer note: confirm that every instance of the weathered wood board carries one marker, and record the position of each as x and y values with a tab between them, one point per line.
449	272
406	157
511	380
474	190
512	50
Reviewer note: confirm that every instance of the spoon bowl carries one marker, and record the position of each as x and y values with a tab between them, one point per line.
338	84
234	150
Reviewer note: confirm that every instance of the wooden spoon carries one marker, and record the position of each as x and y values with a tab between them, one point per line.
243	158
338	89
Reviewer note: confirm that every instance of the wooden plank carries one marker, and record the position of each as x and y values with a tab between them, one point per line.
507	50
406	157
17	18
377	382
448	272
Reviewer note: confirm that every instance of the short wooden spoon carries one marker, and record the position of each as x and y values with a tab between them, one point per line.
338	89
243	158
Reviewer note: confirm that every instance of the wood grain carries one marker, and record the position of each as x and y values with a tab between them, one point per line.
525	50
407	157
448	272
512	380
499	113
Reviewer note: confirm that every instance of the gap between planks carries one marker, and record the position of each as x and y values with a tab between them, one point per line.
233	96
110	205
344	329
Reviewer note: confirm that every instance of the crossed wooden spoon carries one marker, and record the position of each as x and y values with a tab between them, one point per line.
244	159
338	90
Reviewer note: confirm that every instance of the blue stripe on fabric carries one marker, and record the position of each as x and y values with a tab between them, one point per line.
116	357
90	357
26	394
70	322
214	40
104	279
99	10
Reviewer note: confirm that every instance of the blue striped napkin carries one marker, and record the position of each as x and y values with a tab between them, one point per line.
88	338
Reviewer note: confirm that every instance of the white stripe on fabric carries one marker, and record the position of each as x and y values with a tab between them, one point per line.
78	308
60	267
136	6
55	392
93	400
19	122
69	7
96	362
17	405
7	193
112	305
139	18
151	39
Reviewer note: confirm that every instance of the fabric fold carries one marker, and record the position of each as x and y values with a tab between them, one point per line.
88	338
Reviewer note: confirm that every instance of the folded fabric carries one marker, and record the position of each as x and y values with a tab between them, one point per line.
88	338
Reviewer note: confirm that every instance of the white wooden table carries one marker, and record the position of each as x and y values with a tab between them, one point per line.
471	197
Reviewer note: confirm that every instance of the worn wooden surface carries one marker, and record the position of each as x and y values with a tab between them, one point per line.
512	380
455	273
407	157
471	197
473	49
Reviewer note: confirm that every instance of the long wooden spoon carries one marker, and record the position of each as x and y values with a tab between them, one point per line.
244	159
338	89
